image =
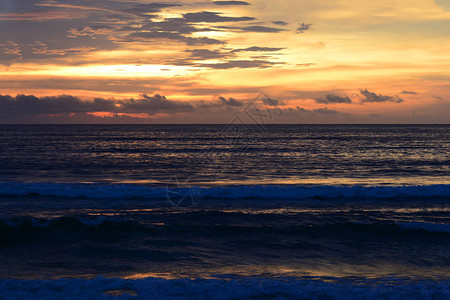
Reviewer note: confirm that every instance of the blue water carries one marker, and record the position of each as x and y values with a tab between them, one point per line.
219	154
333	208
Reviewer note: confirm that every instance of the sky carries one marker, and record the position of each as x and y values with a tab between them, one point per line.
284	61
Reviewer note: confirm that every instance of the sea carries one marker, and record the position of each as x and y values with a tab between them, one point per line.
224	211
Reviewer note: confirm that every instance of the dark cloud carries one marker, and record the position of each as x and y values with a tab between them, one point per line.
65	28
92	31
10	48
271	102
373	97
212	17
178	25
43	49
54	33
231	3
280	23
302	111
409	92
304	27
199	59
332	98
258	49
260	29
230	102
256	28
23	105
221	102
150	7
10	52
202	41
179	29
151	36
29	105
325	110
203	54
240	64
151	105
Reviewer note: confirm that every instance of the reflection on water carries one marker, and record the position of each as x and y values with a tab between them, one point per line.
132	231
133	239
205	155
324	271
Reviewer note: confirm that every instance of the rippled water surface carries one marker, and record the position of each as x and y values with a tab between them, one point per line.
329	203
219	154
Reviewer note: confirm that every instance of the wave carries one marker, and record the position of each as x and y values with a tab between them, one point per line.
125	191
114	223
253	288
29	222
431	227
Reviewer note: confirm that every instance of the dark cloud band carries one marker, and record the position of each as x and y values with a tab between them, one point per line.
332	98
370	97
231	3
22	105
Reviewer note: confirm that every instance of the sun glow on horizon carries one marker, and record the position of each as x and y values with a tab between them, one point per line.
299	51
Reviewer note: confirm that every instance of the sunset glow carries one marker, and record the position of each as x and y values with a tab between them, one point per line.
308	54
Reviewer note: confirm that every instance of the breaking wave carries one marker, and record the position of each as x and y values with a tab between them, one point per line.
104	191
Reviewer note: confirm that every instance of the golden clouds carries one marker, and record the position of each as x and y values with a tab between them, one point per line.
298	50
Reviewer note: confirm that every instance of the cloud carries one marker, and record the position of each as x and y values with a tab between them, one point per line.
152	105
280	23
150	7
230	102
87	26
212	17
258	49
151	36
36	16
373	97
199	58
23	105
180	29
89	31
332	98
240	64
10	48
271	102
256	28
204	54
178	25
221	102
409	92
301	110
231	3
325	110
304	27
202	41
64	104
42	49
368	97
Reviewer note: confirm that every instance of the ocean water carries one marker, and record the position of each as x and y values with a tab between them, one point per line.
220	211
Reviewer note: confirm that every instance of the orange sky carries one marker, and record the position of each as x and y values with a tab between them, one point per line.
322	61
